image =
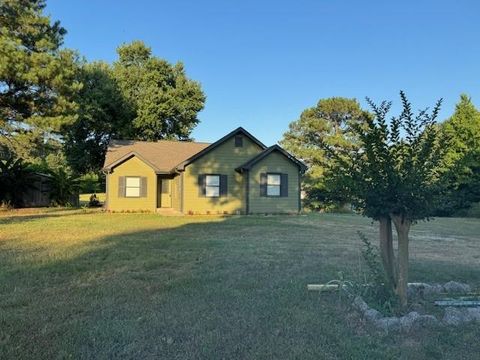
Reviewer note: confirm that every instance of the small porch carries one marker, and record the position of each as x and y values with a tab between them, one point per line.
165	193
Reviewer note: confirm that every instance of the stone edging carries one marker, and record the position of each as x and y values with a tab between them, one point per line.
413	320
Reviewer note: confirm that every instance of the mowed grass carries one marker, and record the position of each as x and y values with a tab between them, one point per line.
79	284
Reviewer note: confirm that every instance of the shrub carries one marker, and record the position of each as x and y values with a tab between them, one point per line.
16	178
376	290
64	187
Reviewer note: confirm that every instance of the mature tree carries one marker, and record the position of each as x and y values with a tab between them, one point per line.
329	122
37	78
164	100
463	131
102	114
394	177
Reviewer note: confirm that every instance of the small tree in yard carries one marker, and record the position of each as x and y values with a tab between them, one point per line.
394	177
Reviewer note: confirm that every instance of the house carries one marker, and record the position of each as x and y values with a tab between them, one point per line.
235	175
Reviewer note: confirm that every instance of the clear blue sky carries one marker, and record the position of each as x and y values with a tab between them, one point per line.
261	63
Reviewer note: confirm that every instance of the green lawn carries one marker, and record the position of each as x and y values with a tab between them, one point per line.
79	284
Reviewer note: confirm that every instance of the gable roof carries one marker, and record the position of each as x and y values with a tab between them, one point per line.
248	165
212	146
162	156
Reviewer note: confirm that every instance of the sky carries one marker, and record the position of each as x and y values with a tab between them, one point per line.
261	63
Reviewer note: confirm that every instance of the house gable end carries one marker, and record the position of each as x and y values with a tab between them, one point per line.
275	148
215	145
127	157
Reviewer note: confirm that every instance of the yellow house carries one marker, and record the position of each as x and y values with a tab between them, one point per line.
235	175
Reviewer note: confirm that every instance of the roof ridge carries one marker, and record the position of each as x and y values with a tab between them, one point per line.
157	141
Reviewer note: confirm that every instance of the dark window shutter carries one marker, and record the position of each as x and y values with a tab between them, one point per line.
201	185
143	187
121	186
263	184
284	185
223	185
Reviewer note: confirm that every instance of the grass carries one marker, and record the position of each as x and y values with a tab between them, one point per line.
85	284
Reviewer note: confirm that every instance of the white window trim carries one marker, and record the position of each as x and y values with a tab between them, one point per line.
215	187
275	186
127	187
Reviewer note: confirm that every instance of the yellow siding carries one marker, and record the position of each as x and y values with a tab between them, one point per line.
274	163
132	167
222	160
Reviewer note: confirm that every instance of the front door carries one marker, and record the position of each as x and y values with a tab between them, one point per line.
166	193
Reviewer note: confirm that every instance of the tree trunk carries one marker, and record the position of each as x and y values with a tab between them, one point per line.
402	226
386	250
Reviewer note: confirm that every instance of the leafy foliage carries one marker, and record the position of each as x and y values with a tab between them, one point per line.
103	113
165	102
15	180
37	78
463	154
376	290
330	122
396	174
391	173
64	187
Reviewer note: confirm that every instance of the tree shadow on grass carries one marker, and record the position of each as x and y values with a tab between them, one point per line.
22	215
201	290
233	288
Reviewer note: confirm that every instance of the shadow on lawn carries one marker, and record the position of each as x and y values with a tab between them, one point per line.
229	288
200	290
20	215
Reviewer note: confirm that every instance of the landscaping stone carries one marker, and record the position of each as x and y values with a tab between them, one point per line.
407	321
372	315
423	289
426	321
359	304
388	324
414	320
453	316
456	287
433	289
474	313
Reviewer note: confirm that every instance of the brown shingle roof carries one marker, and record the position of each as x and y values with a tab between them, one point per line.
163	155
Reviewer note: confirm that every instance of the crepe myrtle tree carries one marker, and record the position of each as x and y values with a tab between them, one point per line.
394	177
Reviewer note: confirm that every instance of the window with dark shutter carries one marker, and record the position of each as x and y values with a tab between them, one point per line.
212	185
263	184
284	185
274	182
133	186
121	186
201	185
223	185
143	187
238	141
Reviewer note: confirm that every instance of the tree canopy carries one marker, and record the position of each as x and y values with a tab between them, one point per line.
165	102
462	130
37	79
102	114
330	122
395	175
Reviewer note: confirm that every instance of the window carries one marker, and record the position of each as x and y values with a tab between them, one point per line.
212	185
132	187
273	184
238	141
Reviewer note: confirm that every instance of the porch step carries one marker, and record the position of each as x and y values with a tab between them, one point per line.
168	212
